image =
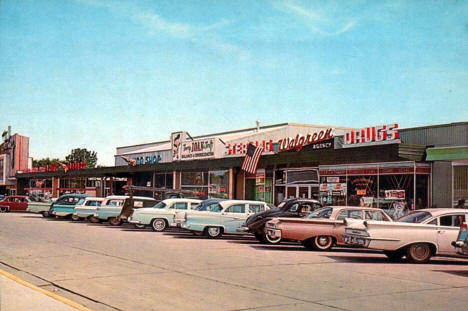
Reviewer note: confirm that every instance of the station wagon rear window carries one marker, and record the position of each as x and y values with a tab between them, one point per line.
238	208
114	202
415	217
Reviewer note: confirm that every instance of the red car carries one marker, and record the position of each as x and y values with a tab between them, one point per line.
14	203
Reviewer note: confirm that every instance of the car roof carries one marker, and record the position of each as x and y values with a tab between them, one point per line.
354	207
76	195
123	197
175	200
439	211
302	199
229	202
95	198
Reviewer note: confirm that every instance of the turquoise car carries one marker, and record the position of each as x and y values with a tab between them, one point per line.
461	244
65	205
227	218
161	216
111	208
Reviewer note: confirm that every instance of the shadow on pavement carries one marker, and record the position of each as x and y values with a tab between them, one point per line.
384	260
463	273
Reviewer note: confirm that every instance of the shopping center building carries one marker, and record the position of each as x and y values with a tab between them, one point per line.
379	165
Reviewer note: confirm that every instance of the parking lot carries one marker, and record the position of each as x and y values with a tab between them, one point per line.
122	268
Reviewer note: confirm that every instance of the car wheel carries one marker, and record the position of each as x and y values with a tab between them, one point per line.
3	209
115	221
213	232
75	218
270	240
158	225
45	214
94	219
140	226
260	237
394	255
419	253
322	242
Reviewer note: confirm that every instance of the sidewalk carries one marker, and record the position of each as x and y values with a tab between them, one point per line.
19	295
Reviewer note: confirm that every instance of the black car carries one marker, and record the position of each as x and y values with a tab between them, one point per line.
289	208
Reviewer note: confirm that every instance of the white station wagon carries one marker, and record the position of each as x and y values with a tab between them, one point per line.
161	216
226	218
418	235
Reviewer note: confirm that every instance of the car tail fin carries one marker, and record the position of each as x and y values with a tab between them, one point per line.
464	227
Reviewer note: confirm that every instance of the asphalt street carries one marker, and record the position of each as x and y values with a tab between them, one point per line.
122	268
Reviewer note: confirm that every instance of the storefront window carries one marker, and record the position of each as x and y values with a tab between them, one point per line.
203	185
460	185
219	184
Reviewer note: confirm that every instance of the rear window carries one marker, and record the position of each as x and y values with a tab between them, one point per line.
415	217
114	203
321	213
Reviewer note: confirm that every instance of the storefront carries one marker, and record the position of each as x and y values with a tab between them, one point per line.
405	185
208	184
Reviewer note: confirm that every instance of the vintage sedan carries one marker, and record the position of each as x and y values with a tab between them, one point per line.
226	218
418	236
110	209
461	244
291	208
14	203
161	216
65	205
208	205
86	207
323	228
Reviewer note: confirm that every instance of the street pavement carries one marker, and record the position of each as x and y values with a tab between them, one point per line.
122	268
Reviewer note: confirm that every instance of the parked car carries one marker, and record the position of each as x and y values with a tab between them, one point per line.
40	207
207	205
418	236
323	228
293	208
86	207
461	244
161	216
227	217
13	203
110	209
65	204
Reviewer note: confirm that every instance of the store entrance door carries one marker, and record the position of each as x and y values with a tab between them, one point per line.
301	191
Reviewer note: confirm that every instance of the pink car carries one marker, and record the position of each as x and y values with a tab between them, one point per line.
323	228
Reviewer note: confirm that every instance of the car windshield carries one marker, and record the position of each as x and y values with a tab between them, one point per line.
321	213
80	201
281	204
415	217
160	205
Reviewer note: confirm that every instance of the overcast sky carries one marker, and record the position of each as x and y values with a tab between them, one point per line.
102	74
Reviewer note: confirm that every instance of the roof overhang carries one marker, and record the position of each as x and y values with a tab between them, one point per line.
447	153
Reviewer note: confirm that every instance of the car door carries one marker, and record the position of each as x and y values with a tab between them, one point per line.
233	217
447	231
13	202
22	204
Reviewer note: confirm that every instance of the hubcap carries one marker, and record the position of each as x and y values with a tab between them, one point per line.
159	225
420	251
213	231
323	241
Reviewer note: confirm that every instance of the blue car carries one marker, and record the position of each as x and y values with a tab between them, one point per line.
65	205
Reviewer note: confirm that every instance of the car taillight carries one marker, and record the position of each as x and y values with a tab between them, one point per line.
463	227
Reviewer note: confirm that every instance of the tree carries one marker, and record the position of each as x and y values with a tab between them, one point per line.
45	161
82	154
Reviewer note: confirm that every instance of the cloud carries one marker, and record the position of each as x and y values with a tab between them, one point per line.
203	35
319	21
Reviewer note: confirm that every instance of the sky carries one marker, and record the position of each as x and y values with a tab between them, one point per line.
100	74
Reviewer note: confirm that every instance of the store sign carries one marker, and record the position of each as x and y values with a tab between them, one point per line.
333	179
186	148
372	135
394	194
148	159
73	166
298	142
333	187
241	147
